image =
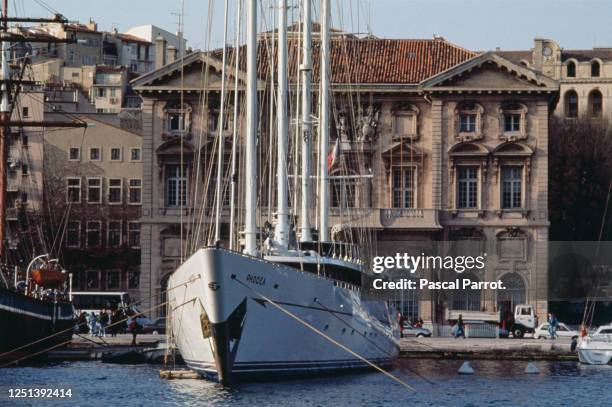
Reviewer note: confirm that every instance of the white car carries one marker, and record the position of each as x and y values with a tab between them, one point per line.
563	331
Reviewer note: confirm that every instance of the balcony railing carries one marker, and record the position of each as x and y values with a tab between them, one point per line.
386	218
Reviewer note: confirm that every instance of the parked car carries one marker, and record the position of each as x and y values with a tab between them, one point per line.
155	327
563	331
410	331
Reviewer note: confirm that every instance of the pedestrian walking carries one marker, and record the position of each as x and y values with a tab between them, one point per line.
459	329
553	323
133	328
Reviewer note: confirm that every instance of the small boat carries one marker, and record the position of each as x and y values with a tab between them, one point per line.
157	354
124	357
596	349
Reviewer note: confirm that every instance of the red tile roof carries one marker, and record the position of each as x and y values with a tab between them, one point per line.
369	60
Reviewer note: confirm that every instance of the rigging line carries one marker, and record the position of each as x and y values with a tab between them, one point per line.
329	338
371	341
65	342
191	280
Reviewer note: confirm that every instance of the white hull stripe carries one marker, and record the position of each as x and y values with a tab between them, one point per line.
22	312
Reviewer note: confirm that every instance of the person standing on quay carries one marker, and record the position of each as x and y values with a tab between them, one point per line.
460	328
133	328
553	322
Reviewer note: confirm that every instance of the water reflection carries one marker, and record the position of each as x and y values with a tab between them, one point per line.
437	383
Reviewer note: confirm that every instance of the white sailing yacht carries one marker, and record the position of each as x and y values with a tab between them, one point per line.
280	310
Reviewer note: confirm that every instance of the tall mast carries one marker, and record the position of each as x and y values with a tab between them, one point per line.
324	122
233	174
5	113
306	68
281	234
250	232
221	138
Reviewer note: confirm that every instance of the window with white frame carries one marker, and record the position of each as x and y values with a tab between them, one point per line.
467	123
512	122
113	280
343	192
93	233
73	234
74	190
94	190
115	154
115	189
134	234
404	187
135	154
94	154
512	187
114	233
176	185
467	187
74	154
135	191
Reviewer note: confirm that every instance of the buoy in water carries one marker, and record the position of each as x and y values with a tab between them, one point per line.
531	368
466	368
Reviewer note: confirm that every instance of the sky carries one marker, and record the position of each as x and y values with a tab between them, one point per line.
472	24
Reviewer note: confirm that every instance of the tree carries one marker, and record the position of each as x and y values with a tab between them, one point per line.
580	171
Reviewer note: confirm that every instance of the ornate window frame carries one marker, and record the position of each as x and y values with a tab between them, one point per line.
513	154
412	157
513	108
405	110
471	108
172	108
468	154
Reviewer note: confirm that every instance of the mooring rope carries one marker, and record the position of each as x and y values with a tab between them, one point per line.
329	338
108	326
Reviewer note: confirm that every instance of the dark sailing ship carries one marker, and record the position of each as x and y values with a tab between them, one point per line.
36	313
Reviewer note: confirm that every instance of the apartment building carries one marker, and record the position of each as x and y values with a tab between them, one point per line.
93	182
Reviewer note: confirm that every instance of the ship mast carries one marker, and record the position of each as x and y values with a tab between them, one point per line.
5	103
5	115
324	122
250	232
281	233
306	69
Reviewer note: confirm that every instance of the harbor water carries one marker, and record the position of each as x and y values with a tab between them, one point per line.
494	383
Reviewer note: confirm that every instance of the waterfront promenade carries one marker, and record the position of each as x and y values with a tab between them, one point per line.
485	348
85	347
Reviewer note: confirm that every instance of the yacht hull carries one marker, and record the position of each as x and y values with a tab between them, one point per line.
227	328
595	352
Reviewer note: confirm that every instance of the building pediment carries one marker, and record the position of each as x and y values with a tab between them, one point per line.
490	72
194	72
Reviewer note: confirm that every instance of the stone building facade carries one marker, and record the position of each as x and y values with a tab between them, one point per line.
455	142
585	76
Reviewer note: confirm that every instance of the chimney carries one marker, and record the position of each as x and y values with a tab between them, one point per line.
172	54
160	52
92	25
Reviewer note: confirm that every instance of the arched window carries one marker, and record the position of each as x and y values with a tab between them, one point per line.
571	104
571	69
595	68
514	293
595	103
